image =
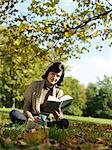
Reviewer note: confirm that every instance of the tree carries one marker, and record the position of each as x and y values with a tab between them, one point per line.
100	105
18	67
57	32
46	33
72	87
91	91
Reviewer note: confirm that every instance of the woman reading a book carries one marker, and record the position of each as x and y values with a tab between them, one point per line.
36	95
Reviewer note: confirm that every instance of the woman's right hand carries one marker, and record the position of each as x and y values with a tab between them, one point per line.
58	114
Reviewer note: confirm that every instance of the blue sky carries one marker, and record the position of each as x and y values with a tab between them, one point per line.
92	65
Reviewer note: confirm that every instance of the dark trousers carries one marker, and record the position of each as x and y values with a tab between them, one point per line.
18	117
62	123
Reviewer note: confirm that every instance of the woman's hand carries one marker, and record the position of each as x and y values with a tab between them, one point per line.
37	119
58	114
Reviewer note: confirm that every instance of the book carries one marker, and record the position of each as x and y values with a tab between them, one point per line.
54	103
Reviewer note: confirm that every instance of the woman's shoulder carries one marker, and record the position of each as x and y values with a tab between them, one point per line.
36	82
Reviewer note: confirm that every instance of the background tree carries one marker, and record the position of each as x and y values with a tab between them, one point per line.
72	87
91	91
100	103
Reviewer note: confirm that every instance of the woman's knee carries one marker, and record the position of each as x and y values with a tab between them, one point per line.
17	117
63	123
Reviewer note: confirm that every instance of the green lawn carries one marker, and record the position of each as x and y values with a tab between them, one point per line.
90	119
5	111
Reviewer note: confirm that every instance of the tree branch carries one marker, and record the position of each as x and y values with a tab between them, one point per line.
108	2
79	26
93	18
86	22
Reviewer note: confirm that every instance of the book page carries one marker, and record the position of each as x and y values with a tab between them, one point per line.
54	99
65	97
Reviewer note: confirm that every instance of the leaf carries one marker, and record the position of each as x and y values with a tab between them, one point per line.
30	137
98	4
64	25
39	135
48	29
66	34
22	142
42	134
69	33
47	22
17	42
7	141
100	140
95	34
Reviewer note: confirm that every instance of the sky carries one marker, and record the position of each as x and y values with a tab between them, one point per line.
93	65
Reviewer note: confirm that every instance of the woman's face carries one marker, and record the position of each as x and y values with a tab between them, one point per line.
53	77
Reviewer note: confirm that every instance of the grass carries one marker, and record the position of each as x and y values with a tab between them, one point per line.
84	133
89	119
4	115
5	111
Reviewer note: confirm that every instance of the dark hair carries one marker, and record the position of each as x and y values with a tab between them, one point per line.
56	67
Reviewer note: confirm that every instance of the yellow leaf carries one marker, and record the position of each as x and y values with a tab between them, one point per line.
17	42
53	8
66	34
29	27
47	22
81	34
48	29
76	21
64	25
71	32
86	39
30	70
42	134
95	35
87	27
98	4
36	22
39	135
30	137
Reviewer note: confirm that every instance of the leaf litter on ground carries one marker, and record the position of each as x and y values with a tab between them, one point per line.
82	136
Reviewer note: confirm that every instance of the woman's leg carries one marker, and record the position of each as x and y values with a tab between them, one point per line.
63	123
17	117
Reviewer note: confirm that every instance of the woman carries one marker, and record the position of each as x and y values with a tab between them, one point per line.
36	95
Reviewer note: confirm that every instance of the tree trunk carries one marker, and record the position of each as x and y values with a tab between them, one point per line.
14	102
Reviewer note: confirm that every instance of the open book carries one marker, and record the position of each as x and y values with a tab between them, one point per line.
54	103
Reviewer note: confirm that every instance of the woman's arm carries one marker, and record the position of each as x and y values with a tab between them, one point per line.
28	101
58	114
26	109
